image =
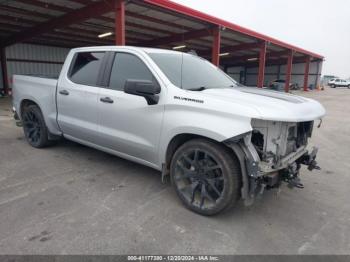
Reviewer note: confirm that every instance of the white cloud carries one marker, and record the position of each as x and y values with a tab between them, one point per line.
321	26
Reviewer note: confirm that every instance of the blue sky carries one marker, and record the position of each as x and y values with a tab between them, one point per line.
321	26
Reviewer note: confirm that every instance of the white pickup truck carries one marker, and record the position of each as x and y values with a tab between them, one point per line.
177	113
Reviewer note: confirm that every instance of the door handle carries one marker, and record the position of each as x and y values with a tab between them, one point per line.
64	92
107	100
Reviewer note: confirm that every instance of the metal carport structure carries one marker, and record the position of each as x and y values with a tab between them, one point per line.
151	23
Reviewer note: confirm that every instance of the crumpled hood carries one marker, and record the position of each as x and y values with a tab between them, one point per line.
270	105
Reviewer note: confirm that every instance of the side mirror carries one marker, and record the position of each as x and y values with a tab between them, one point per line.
145	88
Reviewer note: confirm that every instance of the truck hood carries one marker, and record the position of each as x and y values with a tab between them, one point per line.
270	105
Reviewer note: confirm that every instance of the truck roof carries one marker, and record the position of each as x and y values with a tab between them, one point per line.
114	47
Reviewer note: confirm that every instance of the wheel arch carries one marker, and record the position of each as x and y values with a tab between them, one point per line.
25	103
177	141
28	102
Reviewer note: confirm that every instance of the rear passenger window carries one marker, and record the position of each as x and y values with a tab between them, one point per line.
127	66
86	68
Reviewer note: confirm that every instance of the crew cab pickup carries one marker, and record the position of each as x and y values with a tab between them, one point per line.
177	113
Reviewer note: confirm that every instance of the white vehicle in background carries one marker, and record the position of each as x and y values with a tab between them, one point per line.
176	113
337	82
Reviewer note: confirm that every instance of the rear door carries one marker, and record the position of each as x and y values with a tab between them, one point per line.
128	124
77	96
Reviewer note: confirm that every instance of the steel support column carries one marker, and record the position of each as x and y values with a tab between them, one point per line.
120	22
318	75
306	73
215	57
4	69
262	62
289	70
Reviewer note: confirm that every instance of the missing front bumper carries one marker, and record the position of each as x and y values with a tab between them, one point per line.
257	175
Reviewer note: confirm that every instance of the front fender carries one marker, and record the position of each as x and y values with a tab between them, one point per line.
210	124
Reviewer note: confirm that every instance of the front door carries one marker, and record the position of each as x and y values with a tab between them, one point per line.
77	97
128	124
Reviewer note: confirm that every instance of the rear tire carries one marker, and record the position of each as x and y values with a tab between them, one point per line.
34	127
206	176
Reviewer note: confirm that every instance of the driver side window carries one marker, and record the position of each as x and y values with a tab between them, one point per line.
128	66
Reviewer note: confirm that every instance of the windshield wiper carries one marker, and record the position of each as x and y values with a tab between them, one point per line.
201	88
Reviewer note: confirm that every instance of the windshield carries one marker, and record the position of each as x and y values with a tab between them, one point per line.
191	72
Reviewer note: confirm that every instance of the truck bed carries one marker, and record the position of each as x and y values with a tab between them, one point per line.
41	90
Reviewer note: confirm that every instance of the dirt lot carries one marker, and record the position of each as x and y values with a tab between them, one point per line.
70	199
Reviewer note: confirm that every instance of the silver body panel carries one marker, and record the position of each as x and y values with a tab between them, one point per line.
132	129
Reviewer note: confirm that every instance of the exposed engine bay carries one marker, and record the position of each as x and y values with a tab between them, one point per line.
281	147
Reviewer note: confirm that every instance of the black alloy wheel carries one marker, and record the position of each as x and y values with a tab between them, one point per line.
206	176
34	127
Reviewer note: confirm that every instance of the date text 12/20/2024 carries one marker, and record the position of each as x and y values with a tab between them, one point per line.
173	258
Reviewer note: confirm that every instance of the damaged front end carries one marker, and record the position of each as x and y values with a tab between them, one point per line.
273	153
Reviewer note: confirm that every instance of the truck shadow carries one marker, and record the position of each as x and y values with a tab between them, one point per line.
140	177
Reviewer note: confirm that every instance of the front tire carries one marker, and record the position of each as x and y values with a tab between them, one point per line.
34	127
333	86
206	176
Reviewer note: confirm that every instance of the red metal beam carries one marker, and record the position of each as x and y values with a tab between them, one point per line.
120	22
178	8
215	56
76	16
262	62
289	70
166	23
4	68
158	22
306	73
